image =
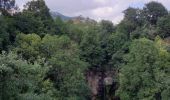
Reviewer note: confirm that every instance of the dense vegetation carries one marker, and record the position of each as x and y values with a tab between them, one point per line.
47	59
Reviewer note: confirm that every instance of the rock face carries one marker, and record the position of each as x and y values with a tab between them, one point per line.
98	81
93	81
108	81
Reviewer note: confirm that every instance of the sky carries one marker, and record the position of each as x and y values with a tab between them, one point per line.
95	9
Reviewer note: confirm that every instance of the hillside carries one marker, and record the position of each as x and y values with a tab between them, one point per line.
63	17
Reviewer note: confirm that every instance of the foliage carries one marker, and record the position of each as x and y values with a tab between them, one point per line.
28	46
4	35
60	26
154	10
39	11
67	68
52	59
139	78
27	24
19	77
107	26
164	26
90	47
6	6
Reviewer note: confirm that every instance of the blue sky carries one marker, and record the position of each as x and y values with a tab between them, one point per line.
96	9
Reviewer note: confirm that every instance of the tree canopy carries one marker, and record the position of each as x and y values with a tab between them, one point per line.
42	58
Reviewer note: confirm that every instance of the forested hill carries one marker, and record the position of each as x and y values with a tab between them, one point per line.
63	17
50	59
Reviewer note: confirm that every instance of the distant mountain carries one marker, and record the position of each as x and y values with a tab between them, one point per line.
75	20
63	17
81	19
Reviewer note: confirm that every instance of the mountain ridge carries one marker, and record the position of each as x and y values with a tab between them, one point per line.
56	14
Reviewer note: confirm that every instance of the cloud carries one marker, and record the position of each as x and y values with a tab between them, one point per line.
102	12
96	9
101	1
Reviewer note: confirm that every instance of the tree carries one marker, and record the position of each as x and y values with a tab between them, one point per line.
138	77
39	8
26	23
107	26
50	45
90	47
126	27
67	74
154	10
4	35
116	48
162	72
133	19
6	6
28	46
60	26
146	32
39	11
164	26
67	71
77	31
19	78
134	16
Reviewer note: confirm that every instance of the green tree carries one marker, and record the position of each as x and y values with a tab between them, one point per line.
28	46
154	10
39	11
138	77
90	47
68	75
39	8
135	16
52	44
126	27
107	26
116	48
60	26
4	35
19	78
76	32
67	70
163	26
162	72
26	23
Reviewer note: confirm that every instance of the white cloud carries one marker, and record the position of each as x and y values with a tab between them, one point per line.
102	12
101	1
117	19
